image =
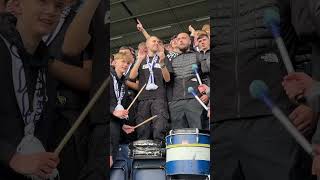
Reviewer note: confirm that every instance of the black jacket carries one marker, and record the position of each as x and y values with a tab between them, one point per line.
182	76
244	50
204	59
69	106
12	124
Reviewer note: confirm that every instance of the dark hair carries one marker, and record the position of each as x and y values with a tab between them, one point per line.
202	36
173	37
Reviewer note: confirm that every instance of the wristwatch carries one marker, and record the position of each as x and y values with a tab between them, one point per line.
162	65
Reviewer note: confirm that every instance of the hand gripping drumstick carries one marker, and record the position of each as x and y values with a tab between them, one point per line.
259	90
191	90
144	122
82	116
136	97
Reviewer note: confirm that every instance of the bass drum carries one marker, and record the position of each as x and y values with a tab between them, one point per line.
188	152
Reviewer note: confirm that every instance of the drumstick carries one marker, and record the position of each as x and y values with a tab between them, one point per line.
84	113
136	97
145	122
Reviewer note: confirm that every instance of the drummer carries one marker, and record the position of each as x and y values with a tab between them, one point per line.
118	101
152	68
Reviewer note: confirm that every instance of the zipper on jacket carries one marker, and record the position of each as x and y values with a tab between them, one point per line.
183	81
184	87
236	14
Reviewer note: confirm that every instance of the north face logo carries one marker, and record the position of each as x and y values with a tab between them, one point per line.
107	18
270	57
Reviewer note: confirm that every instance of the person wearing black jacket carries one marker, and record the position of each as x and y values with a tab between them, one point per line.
307	17
73	79
204	57
185	110
87	27
301	85
245	135
26	124
118	102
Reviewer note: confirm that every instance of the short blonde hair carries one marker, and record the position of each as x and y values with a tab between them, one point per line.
121	56
206	27
201	32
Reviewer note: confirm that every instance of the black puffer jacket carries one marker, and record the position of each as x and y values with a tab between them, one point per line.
243	50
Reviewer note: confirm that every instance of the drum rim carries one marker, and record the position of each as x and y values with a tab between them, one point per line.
192	129
146	140
187	146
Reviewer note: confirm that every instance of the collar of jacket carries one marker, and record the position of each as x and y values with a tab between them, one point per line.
113	72
9	31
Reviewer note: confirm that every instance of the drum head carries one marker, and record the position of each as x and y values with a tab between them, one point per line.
189	131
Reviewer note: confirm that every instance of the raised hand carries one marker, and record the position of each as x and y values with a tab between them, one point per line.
192	30
141	56
139	26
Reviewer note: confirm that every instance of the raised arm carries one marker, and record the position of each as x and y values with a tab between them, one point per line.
77	36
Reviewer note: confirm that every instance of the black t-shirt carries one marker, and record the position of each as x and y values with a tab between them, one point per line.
143	77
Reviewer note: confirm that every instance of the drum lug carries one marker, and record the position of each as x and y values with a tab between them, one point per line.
197	138
170	140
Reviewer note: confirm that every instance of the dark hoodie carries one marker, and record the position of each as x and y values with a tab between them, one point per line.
12	124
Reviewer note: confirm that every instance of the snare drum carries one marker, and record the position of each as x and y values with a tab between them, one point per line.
188	152
146	149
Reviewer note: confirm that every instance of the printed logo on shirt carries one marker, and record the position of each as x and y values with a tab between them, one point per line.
145	66
270	58
157	65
